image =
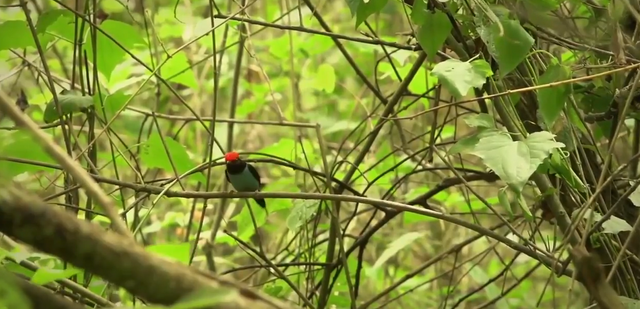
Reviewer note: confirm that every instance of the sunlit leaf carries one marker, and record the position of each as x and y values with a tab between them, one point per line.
552	99
509	44
109	53
179	252
515	161
459	77
434	30
44	275
69	104
154	154
12	295
302	211
15	34
178	69
364	9
22	145
615	225
326	78
397	245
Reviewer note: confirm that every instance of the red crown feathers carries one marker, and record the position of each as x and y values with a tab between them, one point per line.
231	156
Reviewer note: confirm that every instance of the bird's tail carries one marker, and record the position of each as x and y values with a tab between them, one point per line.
261	202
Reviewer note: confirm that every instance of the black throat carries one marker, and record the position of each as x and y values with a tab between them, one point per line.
236	167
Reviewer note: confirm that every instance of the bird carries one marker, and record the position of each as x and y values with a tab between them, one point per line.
242	176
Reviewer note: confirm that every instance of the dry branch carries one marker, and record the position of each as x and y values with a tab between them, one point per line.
112	256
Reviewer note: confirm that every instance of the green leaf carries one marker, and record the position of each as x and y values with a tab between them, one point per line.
109	54
515	161
22	145
434	30
178	252
509	48
562	168
58	22
154	155
504	201
458	77
15	34
523	205
615	225
69	104
178	69
111	104
365	9
464	145
635	196
12	295
552	99
481	120
246	229
419	12
396	246
44	275
325	78
207	297
302	211
353	6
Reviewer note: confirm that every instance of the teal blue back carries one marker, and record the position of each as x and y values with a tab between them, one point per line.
244	182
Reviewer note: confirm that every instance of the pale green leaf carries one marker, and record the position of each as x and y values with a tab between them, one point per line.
459	77
179	252
397	245
302	211
44	275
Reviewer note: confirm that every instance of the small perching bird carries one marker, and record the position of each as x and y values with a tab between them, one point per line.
243	176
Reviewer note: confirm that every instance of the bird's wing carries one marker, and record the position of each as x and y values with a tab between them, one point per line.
226	174
254	172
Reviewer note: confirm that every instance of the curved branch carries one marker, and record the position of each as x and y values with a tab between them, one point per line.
112	256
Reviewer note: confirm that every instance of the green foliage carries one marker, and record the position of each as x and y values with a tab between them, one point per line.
43	275
460	76
508	43
10	294
515	161
552	99
21	145
69	104
434	29
293	77
166	153
363	9
112	41
178	252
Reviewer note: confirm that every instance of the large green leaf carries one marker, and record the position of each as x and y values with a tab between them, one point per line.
551	100
509	44
325	78
178	69
364	9
458	77
12	295
45	275
434	30
109	54
110	104
154	155
15	34
69	104
302	211
515	161
22	145
179	252
397	245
